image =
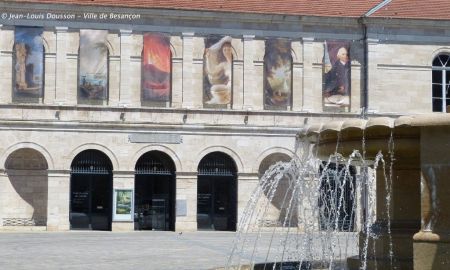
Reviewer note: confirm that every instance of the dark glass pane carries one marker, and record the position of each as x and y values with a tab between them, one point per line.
447	76
445	59
437	62
447	92
437	105
437	91
441	60
437	76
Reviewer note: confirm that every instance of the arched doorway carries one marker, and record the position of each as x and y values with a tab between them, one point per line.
91	191
217	193
280	212
27	195
154	188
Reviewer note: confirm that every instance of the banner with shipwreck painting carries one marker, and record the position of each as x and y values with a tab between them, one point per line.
93	69
277	74
156	67
217	70
28	62
336	76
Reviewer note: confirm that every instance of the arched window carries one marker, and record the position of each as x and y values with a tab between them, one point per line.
441	82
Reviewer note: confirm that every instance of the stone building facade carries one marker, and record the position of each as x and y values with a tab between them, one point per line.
391	75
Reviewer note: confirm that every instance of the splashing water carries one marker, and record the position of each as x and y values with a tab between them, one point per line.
315	224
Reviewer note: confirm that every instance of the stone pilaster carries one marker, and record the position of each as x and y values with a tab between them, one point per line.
125	68
188	67
3	201
61	62
122	180
246	185
238	74
58	201
253	97
297	76
177	71
312	101
186	202
372	76
6	62
50	67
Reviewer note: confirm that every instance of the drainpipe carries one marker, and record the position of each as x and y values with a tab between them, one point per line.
365	103
362	20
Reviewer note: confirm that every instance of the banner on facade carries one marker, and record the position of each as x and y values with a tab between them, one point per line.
277	74
217	70
29	62
93	66
336	75
156	67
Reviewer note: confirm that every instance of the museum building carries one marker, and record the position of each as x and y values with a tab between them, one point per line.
162	115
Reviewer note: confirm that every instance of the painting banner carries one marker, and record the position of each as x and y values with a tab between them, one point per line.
217	70
29	62
156	67
336	75
277	74
93	80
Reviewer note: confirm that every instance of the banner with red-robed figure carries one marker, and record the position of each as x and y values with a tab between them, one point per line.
156	67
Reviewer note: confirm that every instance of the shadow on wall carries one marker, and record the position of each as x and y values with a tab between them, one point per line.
278	213
27	195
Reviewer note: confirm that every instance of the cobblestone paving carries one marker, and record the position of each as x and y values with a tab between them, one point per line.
113	250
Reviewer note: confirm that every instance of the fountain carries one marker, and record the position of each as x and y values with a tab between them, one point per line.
400	186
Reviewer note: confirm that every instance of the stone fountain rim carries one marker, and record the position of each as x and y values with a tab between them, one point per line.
420	120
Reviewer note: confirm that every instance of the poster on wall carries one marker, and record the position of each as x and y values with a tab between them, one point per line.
277	74
29	62
336	75
217	70
93	69
123	205
156	67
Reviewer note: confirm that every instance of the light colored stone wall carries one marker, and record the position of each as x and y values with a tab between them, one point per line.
401	81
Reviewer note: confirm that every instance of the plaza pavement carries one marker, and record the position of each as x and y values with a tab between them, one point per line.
139	250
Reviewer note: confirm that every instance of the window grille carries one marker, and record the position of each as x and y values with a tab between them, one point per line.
217	164
91	162
155	162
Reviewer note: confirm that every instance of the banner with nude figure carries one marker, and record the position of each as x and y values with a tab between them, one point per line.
28	62
93	65
277	74
156	67
336	76
217	70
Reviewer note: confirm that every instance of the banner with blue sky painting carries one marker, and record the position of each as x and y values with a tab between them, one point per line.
28	63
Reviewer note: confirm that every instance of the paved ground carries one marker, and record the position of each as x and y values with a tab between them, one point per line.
111	250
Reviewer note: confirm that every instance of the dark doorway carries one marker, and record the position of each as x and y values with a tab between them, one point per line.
337	197
154	189
217	193
91	191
